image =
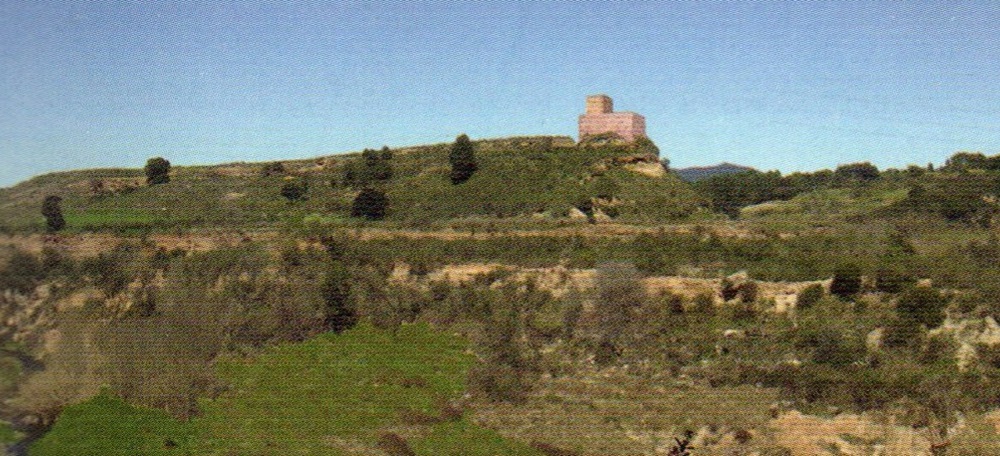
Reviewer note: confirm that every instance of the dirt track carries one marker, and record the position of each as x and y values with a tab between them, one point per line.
87	244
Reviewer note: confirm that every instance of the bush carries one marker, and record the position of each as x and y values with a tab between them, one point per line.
157	171
809	295
832	347
371	204
923	305
502	376
888	280
704	304
846	281
272	168
394	445
22	273
295	189
606	187
902	332
644	145
619	293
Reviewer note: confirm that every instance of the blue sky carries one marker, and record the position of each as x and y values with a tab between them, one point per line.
774	85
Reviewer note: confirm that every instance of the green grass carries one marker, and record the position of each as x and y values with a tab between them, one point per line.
7	434
106	425
112	218
299	399
10	371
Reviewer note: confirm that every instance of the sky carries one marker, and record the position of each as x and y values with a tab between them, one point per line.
792	86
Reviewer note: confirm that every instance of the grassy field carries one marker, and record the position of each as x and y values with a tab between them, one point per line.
334	394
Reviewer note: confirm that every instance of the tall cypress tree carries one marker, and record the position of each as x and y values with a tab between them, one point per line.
463	160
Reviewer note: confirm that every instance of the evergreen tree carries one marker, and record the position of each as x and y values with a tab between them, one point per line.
157	171
336	289
462	159
53	213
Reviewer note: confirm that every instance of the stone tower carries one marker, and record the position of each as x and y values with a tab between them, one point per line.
601	118
600	104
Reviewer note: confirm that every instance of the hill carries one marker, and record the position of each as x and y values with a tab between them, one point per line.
538	177
697	173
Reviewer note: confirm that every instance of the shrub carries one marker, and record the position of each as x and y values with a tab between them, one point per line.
502	376
832	347
371	204
272	168
619	293
606	187
394	445
54	220
295	189
902	332
376	165
889	280
552	450
462	159
157	171
923	305
22	273
729	290
809	295
704	304
846	281
645	145
748	292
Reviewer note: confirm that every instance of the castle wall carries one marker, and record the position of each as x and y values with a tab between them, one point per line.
628	125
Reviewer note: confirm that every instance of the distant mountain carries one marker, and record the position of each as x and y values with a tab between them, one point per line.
698	173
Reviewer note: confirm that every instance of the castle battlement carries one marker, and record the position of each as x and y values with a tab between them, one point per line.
601	118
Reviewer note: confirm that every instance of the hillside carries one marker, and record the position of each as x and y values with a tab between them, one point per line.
481	317
517	177
697	173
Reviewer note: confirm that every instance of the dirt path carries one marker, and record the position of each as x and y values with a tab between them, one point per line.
88	244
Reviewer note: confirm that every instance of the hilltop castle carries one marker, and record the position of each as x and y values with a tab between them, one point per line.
601	118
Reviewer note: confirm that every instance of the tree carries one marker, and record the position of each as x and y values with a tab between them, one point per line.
966	160
53	213
157	171
856	172
371	204
462	159
339	313
295	190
